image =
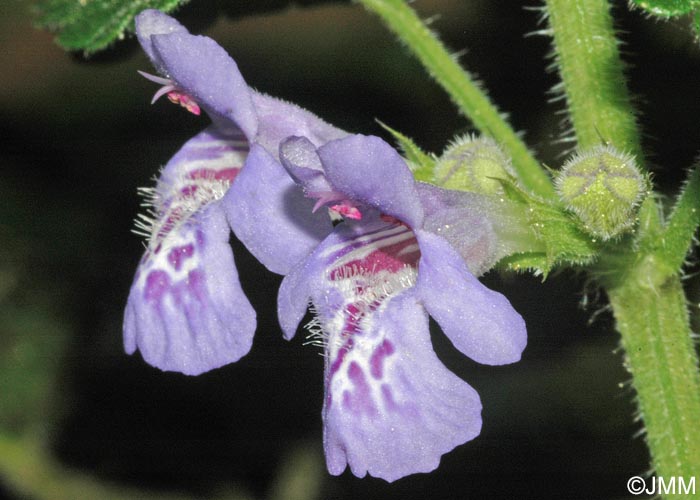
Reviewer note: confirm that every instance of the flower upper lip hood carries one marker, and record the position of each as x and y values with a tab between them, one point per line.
396	196
200	67
186	310
391	407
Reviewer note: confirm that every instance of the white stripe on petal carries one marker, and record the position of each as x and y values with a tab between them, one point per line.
360	284
365	250
367	238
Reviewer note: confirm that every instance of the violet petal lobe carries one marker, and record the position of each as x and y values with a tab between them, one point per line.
271	215
463	219
300	158
210	154
481	228
178	313
186	311
198	174
279	119
396	409
481	323
293	296
154	22
202	69
370	171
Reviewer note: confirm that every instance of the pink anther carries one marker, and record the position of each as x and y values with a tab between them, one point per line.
347	210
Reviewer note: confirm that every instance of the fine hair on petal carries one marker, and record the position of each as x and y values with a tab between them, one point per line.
171	204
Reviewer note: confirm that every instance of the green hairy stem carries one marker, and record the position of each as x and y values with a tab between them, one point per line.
588	60
464	91
651	315
642	280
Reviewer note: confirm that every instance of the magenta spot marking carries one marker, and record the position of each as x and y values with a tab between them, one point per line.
360	399
225	174
342	352
197	284
351	328
157	283
335	366
388	258
376	362
347	400
170	222
352	322
188	191
356	375
385	258
192	288
199	238
178	255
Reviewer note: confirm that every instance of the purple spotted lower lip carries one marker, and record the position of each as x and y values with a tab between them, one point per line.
391	407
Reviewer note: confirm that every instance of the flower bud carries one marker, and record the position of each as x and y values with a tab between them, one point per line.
603	187
473	163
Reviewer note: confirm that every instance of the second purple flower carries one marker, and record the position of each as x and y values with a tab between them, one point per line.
391	407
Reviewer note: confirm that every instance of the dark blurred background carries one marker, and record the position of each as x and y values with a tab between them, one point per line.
78	136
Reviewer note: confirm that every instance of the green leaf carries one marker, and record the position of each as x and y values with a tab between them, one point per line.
667	8
421	163
565	242
526	261
55	14
677	238
91	25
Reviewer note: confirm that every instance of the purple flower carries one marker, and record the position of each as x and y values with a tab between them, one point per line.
186	310
403	252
